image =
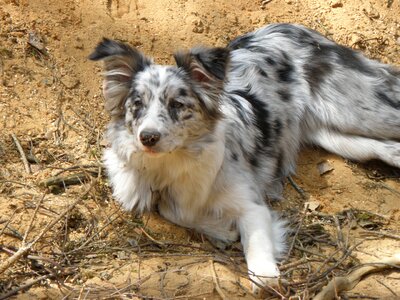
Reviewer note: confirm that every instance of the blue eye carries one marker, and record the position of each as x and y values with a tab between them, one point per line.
137	102
176	104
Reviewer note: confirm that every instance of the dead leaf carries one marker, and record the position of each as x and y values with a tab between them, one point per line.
36	41
324	167
312	205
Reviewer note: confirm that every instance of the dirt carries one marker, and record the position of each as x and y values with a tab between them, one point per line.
50	99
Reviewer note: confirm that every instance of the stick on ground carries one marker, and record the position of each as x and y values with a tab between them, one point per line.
24	287
298	189
26	247
22	154
216	283
346	283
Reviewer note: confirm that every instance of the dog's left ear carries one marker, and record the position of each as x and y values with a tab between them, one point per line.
204	65
206	68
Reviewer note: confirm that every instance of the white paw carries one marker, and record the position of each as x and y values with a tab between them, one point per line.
391	154
263	274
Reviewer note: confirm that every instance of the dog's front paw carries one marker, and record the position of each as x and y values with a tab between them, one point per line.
263	274
391	153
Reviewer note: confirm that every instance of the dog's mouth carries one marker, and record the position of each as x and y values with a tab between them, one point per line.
156	152
151	151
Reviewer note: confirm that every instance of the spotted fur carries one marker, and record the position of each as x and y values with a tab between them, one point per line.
206	141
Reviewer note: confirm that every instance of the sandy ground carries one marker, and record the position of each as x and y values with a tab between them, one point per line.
50	100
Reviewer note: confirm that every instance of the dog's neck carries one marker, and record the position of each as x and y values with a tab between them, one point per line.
196	168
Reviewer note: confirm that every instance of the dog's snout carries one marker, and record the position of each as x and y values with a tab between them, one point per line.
149	138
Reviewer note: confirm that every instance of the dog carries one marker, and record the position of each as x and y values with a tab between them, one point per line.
206	141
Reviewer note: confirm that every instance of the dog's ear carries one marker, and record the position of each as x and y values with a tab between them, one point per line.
121	63
206	68
204	65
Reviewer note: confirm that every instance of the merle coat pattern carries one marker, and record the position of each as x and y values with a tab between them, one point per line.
206	141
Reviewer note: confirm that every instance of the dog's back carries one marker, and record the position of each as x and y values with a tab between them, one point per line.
313	90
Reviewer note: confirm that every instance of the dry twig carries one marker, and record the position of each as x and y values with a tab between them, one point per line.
297	187
292	245
216	283
150	237
340	239
293	264
63	181
25	286
22	154
27	246
346	283
381	233
389	289
88	168
32	219
8	222
90	239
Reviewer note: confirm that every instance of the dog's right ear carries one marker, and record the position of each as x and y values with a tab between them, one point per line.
121	63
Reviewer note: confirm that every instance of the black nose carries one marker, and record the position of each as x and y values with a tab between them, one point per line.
149	138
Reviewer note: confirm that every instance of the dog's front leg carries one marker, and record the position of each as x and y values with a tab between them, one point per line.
256	226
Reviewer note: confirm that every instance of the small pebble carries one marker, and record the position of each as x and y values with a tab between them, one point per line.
336	4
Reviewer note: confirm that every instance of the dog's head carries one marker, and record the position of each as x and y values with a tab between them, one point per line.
164	107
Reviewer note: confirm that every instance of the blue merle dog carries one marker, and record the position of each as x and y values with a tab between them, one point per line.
206	141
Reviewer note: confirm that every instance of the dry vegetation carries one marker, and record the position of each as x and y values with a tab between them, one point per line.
61	234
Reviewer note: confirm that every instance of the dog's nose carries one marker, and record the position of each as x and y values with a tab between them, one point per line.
149	138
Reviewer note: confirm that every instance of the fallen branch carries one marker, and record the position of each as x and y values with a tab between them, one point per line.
73	179
346	283
151	238
216	283
293	264
298	189
13	259
26	247
79	167
31	282
8	222
87	241
33	219
381	233
22	154
289	252
11	252
25	286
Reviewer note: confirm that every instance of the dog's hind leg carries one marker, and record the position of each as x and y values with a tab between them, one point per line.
357	147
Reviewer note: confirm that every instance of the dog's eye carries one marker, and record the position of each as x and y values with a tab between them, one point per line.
137	102
176	104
